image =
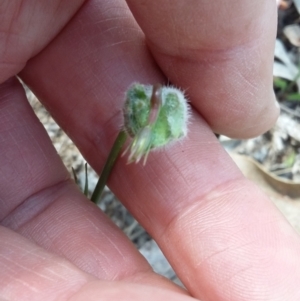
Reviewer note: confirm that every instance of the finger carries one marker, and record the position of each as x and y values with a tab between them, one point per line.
26	27
220	52
222	236
38	200
28	160
29	273
109	291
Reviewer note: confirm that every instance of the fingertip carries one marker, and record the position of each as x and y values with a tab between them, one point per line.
253	120
224	63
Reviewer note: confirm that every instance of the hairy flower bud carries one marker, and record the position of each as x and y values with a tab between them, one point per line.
154	116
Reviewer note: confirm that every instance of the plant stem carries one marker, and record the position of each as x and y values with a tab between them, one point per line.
113	155
86	184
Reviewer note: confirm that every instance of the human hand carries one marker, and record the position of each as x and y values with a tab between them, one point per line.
223	237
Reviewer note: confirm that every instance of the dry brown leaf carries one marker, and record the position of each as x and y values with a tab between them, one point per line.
284	193
256	172
292	32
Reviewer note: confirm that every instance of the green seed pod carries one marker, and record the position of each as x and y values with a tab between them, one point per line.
154	116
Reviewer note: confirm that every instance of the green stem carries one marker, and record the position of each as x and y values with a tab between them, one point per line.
113	155
86	184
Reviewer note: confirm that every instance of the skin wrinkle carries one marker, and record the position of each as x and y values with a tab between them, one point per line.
95	256
116	275
214	220
247	81
34	232
8	64
252	126
21	151
205	228
52	21
23	157
33	252
46	159
11	136
51	238
112	30
155	182
18	12
114	9
173	22
142	214
72	281
142	277
56	10
16	35
179	171
9	29
108	20
99	81
30	20
60	186
98	139
24	283
58	275
5	100
205	260
81	62
269	223
139	207
112	243
182	213
105	66
258	294
68	116
24	268
115	247
109	240
130	41
6	32
227	282
206	55
122	33
23	38
50	269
